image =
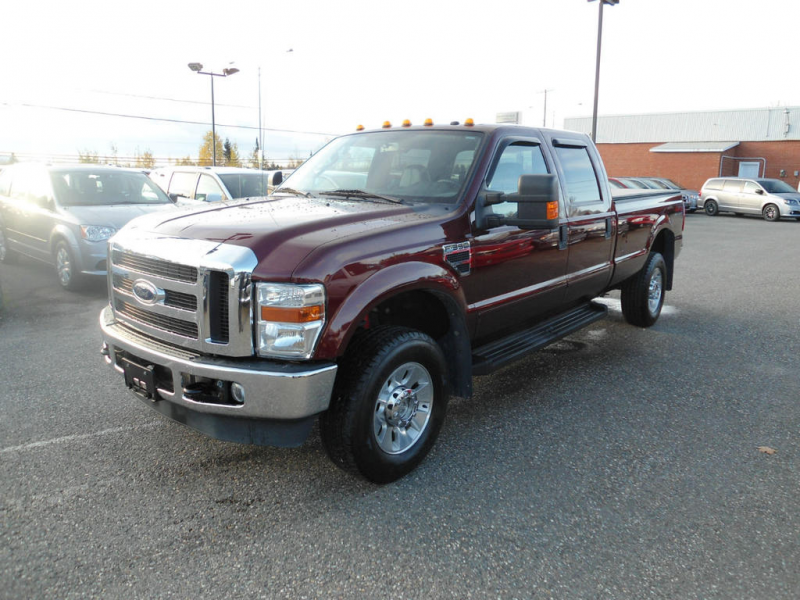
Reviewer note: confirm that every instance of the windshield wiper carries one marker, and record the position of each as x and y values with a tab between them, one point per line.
294	192
362	194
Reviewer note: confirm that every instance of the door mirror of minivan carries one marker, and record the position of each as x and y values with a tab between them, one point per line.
537	201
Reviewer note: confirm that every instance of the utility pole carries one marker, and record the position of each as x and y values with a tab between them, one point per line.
544	117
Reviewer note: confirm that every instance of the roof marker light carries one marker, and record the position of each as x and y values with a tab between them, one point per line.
406	123
469	123
387	125
360	128
428	123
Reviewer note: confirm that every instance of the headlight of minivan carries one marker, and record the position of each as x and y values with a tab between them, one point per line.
791	201
290	318
96	233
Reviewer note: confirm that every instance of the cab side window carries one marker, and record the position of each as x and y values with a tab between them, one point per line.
519	158
750	187
580	179
182	185
207	186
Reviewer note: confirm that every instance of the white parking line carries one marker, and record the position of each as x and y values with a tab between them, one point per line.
73	438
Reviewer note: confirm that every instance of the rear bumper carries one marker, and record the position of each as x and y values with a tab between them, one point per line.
281	399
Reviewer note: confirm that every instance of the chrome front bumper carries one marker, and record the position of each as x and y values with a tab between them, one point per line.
274	391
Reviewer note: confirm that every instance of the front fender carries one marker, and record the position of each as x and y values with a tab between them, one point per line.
387	282
62	232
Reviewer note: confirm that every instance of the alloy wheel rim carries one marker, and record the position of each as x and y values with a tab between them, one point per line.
403	408
770	212
63	266
655	291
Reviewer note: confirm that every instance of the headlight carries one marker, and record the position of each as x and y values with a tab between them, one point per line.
290	318
791	202
96	233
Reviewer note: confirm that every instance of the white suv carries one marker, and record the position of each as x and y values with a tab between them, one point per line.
189	185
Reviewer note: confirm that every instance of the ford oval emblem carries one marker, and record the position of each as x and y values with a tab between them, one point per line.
146	293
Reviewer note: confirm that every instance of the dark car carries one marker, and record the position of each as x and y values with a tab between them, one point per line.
64	215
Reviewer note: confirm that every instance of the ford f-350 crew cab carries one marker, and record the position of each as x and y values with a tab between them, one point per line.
392	267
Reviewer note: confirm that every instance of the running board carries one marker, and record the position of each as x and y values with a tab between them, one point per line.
492	356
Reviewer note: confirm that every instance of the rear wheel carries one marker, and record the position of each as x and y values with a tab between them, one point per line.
66	267
7	255
643	294
388	405
771	213
711	207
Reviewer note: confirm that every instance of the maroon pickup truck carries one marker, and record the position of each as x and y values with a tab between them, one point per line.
387	271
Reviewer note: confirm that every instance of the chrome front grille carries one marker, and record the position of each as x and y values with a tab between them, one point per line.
202	304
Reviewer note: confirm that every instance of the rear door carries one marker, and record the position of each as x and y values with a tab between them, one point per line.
590	228
33	216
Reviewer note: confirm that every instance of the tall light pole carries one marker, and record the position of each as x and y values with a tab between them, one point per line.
198	68
597	67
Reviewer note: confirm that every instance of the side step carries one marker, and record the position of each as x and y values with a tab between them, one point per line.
492	356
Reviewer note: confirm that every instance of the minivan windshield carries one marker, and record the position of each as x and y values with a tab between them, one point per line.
776	186
104	187
428	166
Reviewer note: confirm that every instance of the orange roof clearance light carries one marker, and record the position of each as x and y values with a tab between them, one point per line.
360	128
552	210
469	123
387	125
406	123
428	123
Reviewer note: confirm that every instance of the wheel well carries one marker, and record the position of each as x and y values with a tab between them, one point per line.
664	244
438	316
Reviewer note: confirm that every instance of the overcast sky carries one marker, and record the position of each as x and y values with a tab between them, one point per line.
362	62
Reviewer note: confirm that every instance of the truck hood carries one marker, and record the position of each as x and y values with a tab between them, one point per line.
280	231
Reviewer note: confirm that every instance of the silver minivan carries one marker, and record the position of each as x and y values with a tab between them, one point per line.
770	198
64	215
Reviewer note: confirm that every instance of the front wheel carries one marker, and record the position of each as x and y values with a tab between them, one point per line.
711	208
66	268
643	294
771	213
388	406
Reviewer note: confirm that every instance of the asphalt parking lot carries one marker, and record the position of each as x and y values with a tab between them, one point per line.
618	463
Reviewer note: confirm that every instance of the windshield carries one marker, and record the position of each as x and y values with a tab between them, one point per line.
413	165
87	187
246	185
776	186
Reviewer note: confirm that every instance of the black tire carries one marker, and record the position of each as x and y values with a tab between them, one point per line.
351	428
643	294
711	207
66	268
7	255
692	210
771	213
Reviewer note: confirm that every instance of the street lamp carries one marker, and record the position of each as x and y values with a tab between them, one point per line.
198	68
597	68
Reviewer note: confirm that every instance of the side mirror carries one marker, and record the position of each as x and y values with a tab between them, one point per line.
759	191
213	197
537	198
277	178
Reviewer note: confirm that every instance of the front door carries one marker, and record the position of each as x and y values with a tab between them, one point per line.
517	274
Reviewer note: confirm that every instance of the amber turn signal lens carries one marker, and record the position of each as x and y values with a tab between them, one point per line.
304	314
552	210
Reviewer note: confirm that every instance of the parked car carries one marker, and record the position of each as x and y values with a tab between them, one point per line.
195	185
773	199
690	197
64	215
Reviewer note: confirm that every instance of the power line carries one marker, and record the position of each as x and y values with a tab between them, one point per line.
107	114
172	99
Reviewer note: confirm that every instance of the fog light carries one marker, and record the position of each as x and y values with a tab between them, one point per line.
237	392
